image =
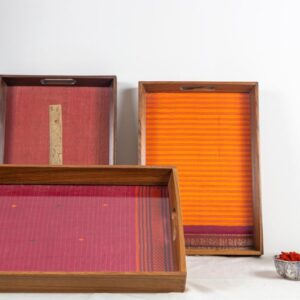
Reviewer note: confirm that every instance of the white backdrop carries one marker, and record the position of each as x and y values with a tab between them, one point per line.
219	40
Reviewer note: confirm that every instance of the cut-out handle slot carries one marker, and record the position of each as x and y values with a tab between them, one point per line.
174	224
58	81
188	88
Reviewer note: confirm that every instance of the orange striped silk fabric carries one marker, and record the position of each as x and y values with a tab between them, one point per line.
207	137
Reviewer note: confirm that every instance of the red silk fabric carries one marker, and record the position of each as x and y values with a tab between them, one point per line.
85	228
85	124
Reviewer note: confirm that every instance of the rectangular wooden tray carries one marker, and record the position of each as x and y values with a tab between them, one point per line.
90	229
86	118
209	131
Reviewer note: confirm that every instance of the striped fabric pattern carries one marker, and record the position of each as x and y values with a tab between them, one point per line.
85	228
207	137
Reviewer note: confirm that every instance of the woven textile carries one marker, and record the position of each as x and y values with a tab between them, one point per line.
207	137
85	228
85	124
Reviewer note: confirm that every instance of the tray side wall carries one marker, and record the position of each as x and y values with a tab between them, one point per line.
92	283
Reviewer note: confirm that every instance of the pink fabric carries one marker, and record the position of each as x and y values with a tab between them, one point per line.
85	114
84	228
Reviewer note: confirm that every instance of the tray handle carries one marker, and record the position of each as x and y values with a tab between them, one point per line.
58	81
174	224
190	88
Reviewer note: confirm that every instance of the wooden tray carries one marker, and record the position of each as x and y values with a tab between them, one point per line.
209	131
92	229
57	119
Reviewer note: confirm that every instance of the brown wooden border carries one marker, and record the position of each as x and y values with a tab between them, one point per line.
88	81
100	281
251	88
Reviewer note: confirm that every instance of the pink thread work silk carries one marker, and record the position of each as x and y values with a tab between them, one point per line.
85	124
85	228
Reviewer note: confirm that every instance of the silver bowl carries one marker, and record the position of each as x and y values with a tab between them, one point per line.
287	269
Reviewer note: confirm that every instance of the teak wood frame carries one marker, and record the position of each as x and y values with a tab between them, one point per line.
100	281
250	88
46	80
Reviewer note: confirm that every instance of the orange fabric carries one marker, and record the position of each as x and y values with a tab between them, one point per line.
207	136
